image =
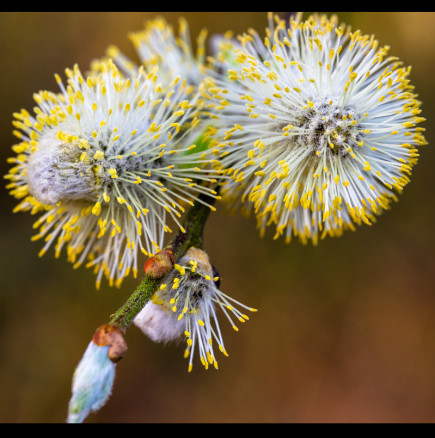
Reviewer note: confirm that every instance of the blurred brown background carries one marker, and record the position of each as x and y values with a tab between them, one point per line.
345	331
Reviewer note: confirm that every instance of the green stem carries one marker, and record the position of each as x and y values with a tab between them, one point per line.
193	225
124	316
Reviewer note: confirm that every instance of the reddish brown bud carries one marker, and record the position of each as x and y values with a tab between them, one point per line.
114	336
160	264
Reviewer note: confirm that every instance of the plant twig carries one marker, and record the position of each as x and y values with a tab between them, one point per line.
193	226
93	378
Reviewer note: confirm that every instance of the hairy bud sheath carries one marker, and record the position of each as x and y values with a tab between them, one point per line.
92	382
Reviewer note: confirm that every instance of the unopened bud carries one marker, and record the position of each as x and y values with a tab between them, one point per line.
160	264
114	337
92	383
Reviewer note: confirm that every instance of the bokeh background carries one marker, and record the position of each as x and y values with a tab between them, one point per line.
345	331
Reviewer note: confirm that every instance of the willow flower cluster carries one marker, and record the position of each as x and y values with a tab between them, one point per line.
185	306
106	161
157	44
316	126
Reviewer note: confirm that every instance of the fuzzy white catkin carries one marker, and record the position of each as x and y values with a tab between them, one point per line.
92	383
316	124
186	304
158	323
108	169
55	173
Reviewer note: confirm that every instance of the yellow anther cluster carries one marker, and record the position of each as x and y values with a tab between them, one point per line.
313	96
189	292
111	182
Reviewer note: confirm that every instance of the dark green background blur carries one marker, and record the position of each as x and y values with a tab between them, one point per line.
345	331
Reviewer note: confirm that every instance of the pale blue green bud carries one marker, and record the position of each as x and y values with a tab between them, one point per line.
92	383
